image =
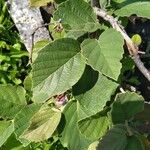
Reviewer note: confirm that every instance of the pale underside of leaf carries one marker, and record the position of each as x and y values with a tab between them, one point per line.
42	126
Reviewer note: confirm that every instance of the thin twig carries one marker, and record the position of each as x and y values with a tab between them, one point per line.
32	37
132	48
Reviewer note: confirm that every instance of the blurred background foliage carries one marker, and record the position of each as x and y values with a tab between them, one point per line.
13	55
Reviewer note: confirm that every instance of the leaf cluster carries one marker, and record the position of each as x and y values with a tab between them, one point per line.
80	95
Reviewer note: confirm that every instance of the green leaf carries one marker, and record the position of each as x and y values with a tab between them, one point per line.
121	3
71	137
86	82
13	144
126	105
6	129
105	57
38	3
78	31
144	115
94	127
57	68
22	120
115	139
28	82
43	125
133	8
134	143
37	47
12	99
74	15
94	100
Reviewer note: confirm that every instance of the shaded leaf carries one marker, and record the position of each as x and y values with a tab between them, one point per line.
146	142
126	105
94	100
134	142
86	82
115	139
13	144
144	115
57	68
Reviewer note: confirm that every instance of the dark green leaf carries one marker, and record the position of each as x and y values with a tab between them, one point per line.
115	139
144	115
86	82
126	105
134	143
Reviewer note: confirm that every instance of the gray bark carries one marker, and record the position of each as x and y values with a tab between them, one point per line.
28	20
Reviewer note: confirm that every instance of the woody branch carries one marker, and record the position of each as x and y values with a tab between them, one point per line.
132	48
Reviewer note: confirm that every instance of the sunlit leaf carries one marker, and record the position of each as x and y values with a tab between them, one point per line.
6	129
57	68
105	57
42	125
